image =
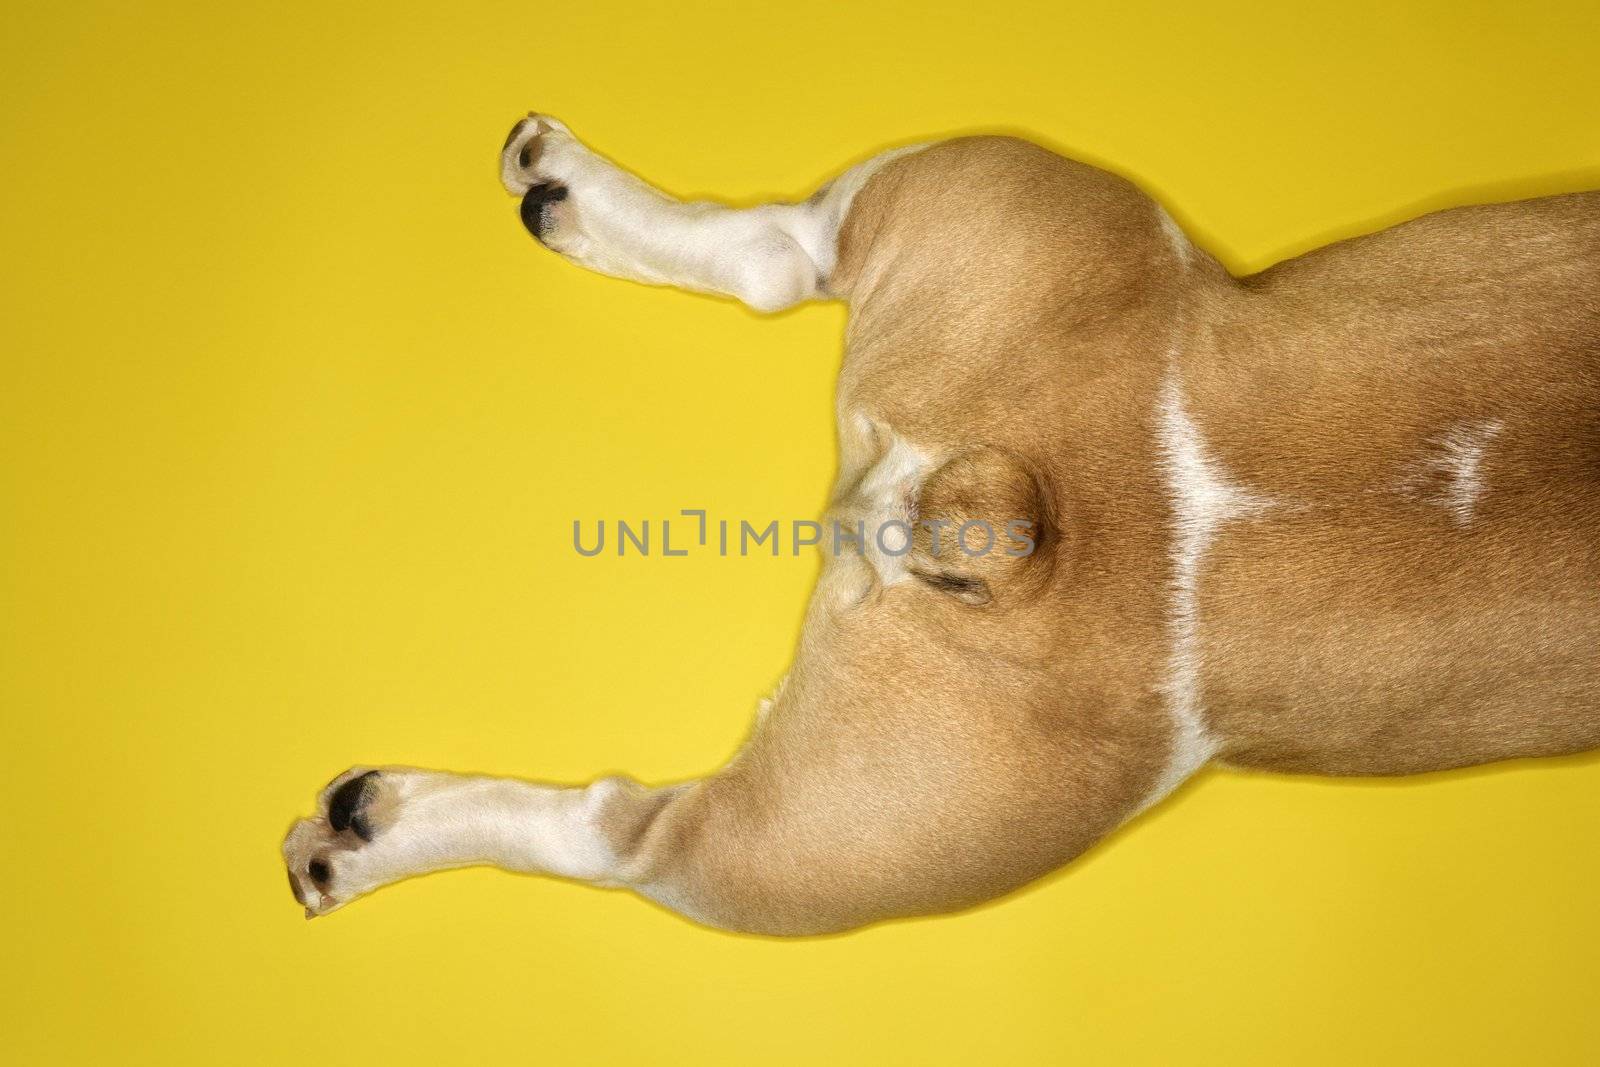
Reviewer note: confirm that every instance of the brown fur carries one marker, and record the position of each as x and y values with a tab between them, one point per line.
1004	298
1018	316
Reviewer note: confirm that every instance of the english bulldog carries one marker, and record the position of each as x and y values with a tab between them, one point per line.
1341	517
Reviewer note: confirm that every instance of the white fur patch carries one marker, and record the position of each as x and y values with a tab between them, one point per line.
771	256
889	491
1202	501
815	224
1459	461
1174	235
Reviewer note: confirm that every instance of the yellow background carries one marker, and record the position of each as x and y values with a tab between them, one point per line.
296	419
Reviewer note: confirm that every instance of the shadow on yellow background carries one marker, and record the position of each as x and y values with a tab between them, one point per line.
296	421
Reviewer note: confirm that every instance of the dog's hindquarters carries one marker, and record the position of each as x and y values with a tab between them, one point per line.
948	732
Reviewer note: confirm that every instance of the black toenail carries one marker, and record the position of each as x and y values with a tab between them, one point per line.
347	806
319	873
533	202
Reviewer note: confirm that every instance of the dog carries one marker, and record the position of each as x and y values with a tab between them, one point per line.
1341	517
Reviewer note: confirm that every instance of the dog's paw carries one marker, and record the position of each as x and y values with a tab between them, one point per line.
537	163
327	853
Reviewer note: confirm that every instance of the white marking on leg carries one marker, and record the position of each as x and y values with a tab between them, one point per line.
765	705
817	229
769	257
1202	501
440	821
1174	235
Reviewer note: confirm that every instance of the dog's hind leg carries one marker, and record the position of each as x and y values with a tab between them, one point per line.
863	795
584	207
376	826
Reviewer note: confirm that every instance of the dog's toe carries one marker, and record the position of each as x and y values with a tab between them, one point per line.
336	855
516	131
308	852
